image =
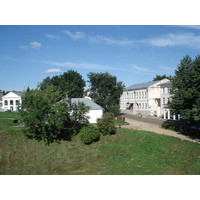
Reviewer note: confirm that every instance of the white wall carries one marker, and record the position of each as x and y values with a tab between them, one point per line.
94	115
10	97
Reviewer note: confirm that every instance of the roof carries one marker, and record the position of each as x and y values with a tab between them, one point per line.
14	92
167	84
87	102
140	86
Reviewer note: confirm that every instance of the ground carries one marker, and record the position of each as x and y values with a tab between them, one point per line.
153	124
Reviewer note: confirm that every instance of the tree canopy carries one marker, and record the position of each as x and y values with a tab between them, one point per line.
50	118
105	90
161	77
186	90
70	83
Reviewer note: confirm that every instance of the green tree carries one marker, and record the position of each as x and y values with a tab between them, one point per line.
106	91
70	82
161	77
47	117
186	90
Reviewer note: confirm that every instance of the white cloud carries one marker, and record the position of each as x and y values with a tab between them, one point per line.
183	39
187	39
141	69
52	71
31	45
76	35
80	65
52	36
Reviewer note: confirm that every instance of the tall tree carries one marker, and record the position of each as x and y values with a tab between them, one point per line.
106	90
70	83
186	90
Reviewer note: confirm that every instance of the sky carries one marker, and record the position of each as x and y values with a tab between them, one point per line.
132	53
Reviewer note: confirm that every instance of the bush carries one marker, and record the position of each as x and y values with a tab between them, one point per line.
106	125
89	134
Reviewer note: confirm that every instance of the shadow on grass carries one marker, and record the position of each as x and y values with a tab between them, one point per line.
180	127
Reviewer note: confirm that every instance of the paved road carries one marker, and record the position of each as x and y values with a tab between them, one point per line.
149	120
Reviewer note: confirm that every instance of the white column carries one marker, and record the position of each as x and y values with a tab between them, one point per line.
168	114
179	117
174	117
164	114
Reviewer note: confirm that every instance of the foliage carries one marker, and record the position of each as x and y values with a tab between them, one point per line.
106	91
186	90
70	83
161	77
106	124
89	134
48	118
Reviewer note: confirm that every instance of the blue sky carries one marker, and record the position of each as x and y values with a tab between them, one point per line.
134	54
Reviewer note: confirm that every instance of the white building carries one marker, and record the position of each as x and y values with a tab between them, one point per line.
11	101
165	99
144	98
95	111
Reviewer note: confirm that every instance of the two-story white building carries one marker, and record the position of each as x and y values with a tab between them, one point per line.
165	99
11	100
144	98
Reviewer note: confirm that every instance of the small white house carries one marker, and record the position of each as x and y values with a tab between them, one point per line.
11	101
95	111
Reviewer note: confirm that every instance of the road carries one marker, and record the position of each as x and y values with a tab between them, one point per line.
149	120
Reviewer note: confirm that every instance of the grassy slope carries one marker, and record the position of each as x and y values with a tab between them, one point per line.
127	152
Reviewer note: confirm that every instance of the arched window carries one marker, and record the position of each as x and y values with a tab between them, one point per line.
11	102
17	102
5	102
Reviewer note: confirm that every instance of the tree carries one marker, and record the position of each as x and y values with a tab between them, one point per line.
47	117
161	77
70	83
186	90
106	91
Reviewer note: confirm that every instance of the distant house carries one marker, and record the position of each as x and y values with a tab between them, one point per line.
95	111
144	98
11	100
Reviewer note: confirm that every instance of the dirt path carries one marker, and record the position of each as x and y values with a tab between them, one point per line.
156	129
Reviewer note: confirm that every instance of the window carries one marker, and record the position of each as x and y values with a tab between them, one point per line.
11	102
164	101
17	102
5	102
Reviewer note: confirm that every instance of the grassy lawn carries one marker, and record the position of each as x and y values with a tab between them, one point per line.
127	152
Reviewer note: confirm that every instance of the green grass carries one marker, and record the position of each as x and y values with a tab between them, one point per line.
119	122
127	152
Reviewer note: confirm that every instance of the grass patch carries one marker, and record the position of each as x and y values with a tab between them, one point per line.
127	152
119	122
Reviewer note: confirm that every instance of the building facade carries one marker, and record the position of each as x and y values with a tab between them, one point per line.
165	98
11	101
144	98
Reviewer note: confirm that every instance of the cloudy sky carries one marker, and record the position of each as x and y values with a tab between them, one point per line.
134	54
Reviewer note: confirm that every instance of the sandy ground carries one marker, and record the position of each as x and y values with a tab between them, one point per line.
156	129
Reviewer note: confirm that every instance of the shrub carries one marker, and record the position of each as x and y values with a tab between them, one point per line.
89	134
106	125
